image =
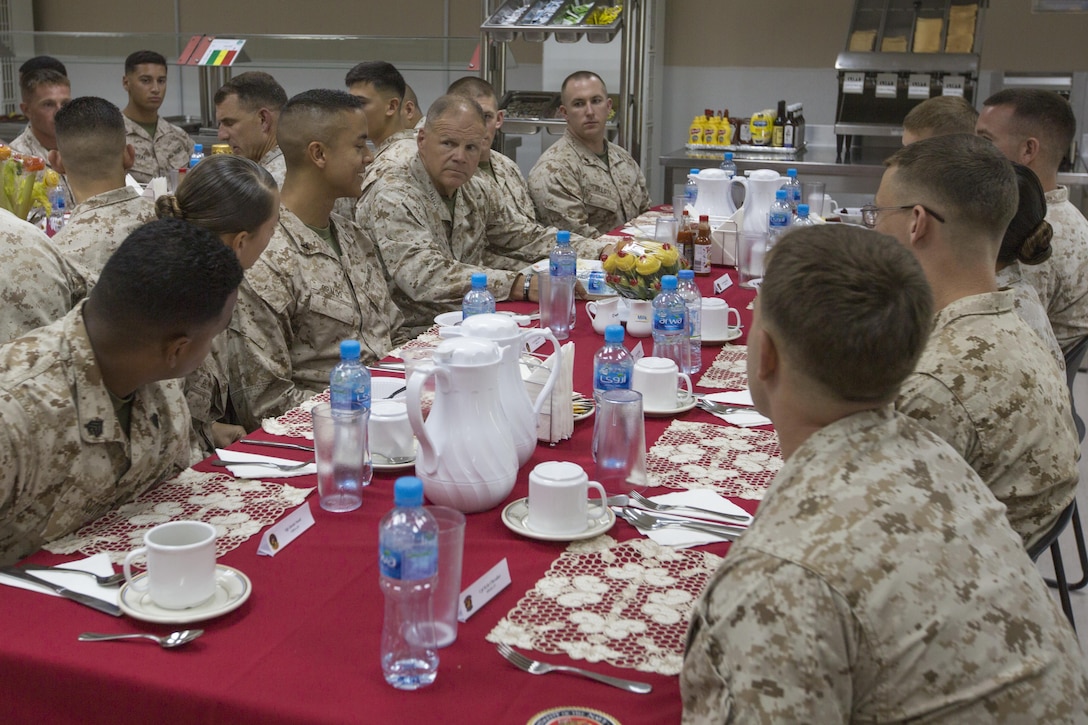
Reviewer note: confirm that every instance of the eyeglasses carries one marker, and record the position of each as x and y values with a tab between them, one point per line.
869	212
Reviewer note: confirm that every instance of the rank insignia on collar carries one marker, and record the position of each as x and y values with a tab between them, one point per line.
94	427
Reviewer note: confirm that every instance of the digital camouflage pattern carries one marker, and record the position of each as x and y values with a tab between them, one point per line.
64	459
298	301
986	384
99	225
207	395
393	152
880	583
431	256
1062	280
274	163
512	187
170	149
38	284
1030	308
573	189
28	143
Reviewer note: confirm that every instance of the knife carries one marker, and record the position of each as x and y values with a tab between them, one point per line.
84	599
277	444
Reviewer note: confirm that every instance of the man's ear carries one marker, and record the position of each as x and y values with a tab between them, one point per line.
317	153
174	349
265	117
55	161
768	356
129	156
499	117
1029	150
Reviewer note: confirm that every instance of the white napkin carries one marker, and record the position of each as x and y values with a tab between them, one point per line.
741	419
735	397
682	538
97	564
261	472
556	420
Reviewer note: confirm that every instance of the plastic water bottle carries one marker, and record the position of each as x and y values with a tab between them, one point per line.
612	365
803	219
793	186
562	273
727	164
691	189
780	217
478	300
408	558
693	299
671	324
197	156
58	217
349	381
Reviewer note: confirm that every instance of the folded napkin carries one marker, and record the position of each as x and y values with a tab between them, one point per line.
682	538
734	397
741	419
261	472
97	564
556	420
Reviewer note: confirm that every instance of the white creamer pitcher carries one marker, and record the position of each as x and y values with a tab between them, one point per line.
759	189
521	410
713	199
467	458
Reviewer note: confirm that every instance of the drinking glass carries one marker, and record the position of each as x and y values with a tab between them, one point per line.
666	229
619	442
343	459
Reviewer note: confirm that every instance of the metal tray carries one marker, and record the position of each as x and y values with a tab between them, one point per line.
574	32
526	112
505	32
603	33
543	11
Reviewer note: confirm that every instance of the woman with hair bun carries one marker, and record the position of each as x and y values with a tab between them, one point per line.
239	201
1027	241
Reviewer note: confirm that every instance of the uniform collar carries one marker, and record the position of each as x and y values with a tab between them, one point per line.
97	421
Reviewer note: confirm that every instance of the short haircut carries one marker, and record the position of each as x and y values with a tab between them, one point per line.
581	75
383	76
255	90
30	81
961	176
312	116
43	61
167	277
90	137
941	115
410	95
473	87
448	104
142	57
1042	114
1027	239
224	194
872	294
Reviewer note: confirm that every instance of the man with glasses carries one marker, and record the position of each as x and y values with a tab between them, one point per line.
985	383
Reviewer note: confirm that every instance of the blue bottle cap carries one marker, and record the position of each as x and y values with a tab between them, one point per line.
694	172
408	491
198	147
686	274
479	280
728	155
802	210
668	283
791	172
349	349
781	194
562	236
613	333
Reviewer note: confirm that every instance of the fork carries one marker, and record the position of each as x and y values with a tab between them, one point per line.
639	500
644	520
718	408
535	667
270	464
110	580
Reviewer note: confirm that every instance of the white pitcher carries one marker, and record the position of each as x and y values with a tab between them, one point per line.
714	198
759	189
521	411
467	459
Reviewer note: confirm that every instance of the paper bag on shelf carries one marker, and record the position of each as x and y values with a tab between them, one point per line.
556	419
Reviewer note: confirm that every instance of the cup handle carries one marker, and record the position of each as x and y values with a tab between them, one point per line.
687	384
591	310
135	554
600	490
733	311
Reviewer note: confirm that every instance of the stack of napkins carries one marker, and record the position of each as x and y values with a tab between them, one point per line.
682	538
556	420
240	469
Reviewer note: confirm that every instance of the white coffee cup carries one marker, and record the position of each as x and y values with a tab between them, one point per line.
717	316
640	320
389	431
180	564
558	498
603	313
658	379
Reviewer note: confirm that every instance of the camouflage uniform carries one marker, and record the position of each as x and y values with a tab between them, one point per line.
295	306
99	225
207	394
512	185
988	386
28	144
880	582
274	163
64	459
573	189
170	149
393	152
1030	308
1062	280
431	257
38	284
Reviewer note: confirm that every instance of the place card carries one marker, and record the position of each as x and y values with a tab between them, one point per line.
483	590
535	341
721	284
289	528
637	353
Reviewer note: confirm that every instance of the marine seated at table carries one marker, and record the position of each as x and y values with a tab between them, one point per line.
92	406
880	580
160	145
247	112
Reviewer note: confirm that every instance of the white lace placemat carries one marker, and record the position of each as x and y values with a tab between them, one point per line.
625	604
297	422
429	338
736	462
238	508
729	369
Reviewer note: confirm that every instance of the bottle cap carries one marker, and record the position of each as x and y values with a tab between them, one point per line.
781	194
728	155
613	333
802	210
791	172
408	491
668	283
479	280
704	218
686	274
694	172
349	349
198	147
562	236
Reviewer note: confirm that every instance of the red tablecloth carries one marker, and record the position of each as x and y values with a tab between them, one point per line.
304	648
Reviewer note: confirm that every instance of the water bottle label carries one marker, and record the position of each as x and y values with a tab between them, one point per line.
562	267
416	562
611	377
695	326
596	282
669	321
361	399
780	219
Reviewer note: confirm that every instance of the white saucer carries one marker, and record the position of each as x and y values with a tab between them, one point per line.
395	466
733	334
684	403
454	318
232	589
516	518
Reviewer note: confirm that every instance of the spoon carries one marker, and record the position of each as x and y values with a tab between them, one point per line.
174	639
391	460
